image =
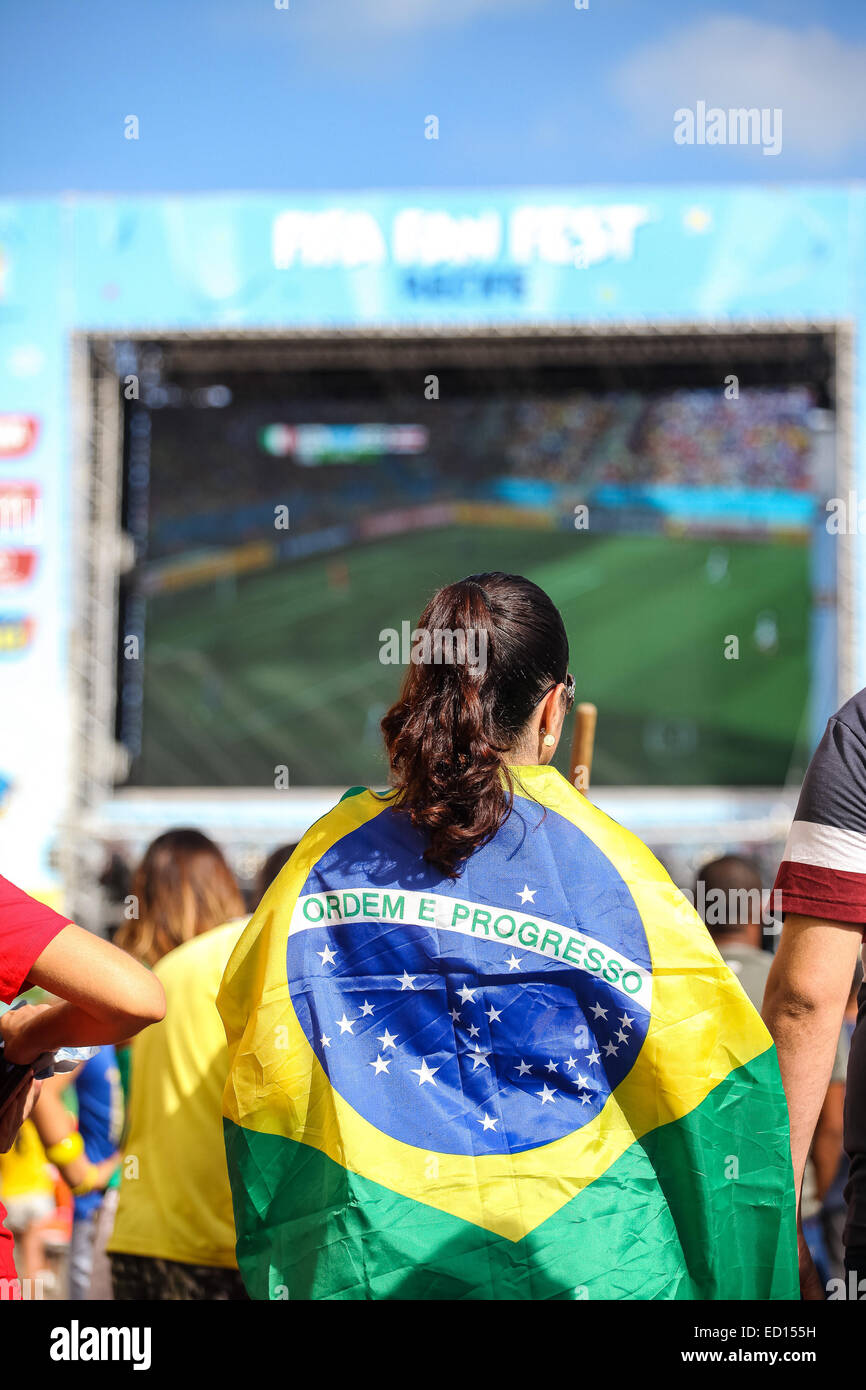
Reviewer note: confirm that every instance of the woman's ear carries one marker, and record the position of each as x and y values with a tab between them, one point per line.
552	717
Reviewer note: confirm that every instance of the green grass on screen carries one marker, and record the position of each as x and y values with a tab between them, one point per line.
283	667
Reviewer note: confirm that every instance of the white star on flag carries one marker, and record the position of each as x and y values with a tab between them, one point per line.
407	980
366	1009
326	1042
489	1123
455	1014
524	1069
345	1025
327	956
584	1098
581	1081
381	1064
528	894
424	1073
473	1031
493	1014
546	1095
466	995
621	1036
599	1011
625	1021
388	1039
610	1050
593	1058
513	961
552	1066
479	1057
571	1063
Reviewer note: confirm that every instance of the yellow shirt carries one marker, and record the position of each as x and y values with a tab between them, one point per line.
24	1169
175	1201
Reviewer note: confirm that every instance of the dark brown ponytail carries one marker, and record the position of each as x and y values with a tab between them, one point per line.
456	718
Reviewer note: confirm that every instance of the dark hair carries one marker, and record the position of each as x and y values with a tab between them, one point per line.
276	860
446	735
183	887
730	875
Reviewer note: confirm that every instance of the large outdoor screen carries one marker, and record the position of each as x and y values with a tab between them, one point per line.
286	520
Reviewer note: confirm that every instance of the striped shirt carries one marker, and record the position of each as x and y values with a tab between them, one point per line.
823	869
823	874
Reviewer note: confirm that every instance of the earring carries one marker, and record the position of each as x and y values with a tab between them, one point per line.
549	740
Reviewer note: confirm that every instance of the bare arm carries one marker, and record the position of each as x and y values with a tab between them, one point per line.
827	1143
805	998
54	1125
107	997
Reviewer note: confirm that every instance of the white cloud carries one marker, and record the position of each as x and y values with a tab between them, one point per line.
817	79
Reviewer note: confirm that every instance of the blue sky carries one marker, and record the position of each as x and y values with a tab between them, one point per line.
333	93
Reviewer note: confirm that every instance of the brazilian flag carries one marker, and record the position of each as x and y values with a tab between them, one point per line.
539	1080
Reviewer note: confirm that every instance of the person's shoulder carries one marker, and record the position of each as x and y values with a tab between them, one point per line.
852	715
27	926
191	957
363	800
834	788
352	791
547	786
355	808
20	909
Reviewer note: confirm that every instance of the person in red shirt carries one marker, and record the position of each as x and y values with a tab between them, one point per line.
104	996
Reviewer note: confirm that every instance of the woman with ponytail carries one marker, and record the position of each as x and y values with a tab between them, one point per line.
459	725
480	1046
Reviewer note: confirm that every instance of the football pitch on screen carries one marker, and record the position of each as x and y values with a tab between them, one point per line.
282	668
